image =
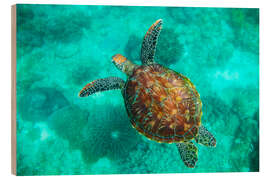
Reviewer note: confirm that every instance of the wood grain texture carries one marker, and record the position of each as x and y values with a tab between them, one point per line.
13	90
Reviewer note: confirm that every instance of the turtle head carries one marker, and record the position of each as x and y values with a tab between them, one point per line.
123	64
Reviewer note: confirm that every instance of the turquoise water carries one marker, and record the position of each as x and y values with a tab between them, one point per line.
62	48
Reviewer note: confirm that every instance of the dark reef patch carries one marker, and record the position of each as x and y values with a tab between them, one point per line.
169	49
133	48
180	14
69	123
81	75
254	157
37	104
245	25
105	132
245	102
24	14
109	133
214	108
150	157
67	28
59	26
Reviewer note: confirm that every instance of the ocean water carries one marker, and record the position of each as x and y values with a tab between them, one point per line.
60	48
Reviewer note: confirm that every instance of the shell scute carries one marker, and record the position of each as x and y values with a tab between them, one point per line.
163	105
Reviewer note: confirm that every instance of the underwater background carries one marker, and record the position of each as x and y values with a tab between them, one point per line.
61	48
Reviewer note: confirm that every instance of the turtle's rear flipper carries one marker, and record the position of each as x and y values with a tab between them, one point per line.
204	137
150	42
101	85
189	153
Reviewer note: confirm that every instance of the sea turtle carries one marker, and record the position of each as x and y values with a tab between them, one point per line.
162	105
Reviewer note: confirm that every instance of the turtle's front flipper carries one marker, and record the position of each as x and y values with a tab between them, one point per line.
189	153
204	137
150	42
101	85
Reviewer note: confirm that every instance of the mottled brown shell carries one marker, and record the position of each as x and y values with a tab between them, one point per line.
162	104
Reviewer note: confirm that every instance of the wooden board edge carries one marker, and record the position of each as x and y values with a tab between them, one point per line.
13	92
